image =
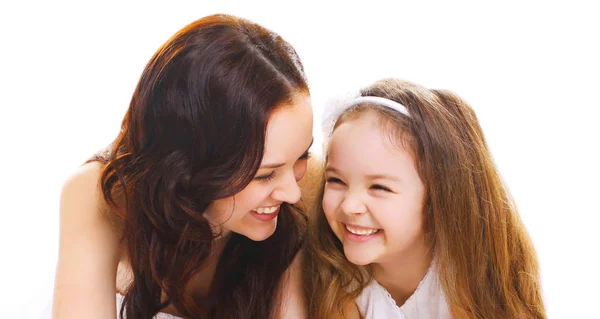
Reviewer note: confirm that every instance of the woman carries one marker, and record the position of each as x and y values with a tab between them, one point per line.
190	211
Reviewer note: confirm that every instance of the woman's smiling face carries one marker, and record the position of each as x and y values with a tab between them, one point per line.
253	211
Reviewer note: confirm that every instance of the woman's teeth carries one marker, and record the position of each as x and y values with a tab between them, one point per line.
266	210
362	231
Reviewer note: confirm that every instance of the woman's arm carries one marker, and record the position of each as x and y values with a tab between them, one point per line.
293	305
88	250
292	302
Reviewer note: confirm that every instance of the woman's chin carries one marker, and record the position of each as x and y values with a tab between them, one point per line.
260	233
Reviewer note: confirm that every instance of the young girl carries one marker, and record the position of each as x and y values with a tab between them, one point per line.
190	211
414	220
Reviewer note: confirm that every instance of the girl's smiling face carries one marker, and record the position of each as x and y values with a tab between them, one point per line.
373	197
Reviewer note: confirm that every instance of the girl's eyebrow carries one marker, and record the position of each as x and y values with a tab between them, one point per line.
370	176
331	169
383	176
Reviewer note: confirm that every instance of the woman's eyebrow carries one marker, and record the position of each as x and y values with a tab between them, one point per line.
276	165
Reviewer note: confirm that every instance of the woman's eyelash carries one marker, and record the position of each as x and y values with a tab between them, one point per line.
306	155
263	178
270	176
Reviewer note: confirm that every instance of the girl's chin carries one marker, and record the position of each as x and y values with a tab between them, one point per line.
359	258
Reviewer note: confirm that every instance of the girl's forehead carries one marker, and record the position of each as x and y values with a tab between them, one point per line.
362	145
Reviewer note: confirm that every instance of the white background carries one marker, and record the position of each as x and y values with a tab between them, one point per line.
530	71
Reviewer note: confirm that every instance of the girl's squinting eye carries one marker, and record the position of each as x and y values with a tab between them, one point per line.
381	187
334	180
264	178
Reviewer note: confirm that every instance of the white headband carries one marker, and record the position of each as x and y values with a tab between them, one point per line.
336	107
381	101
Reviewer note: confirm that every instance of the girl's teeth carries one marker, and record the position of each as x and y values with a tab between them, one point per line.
266	210
361	231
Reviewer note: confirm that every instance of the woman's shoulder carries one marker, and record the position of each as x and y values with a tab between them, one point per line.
82	201
88	244
82	187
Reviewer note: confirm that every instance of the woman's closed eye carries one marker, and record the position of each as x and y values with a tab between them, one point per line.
305	156
266	177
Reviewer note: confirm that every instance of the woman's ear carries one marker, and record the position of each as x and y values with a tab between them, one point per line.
310	184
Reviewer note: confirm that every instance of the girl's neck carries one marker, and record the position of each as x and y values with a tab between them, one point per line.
402	274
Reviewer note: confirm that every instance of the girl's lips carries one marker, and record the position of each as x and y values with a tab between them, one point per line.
360	238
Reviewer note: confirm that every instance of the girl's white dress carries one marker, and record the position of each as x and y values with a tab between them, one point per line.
427	302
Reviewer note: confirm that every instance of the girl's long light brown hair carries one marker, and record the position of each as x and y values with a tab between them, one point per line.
487	264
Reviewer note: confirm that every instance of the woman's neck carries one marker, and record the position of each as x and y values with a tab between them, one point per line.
199	284
402	274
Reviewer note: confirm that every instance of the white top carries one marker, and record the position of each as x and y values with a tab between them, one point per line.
160	315
427	302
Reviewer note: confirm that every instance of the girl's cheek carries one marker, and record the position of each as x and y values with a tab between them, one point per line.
329	200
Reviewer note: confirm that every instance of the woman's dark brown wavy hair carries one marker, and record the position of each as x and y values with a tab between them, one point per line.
486	261
194	132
